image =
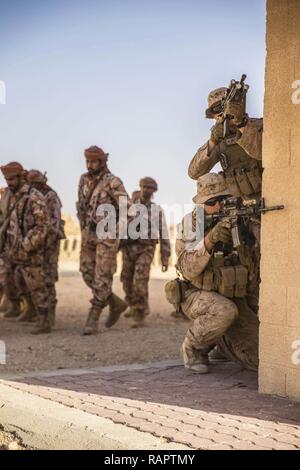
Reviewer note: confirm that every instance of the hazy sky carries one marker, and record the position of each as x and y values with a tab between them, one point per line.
130	76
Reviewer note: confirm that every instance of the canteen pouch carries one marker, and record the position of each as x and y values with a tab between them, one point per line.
225	281
243	182
231	183
254	176
208	281
175	291
241	280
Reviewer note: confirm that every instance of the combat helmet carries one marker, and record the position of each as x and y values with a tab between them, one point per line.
209	186
215	98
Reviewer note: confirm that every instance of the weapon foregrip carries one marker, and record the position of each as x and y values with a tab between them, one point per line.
235	236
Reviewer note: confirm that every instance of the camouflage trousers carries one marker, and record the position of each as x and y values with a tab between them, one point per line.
137	259
27	280
51	271
230	324
98	263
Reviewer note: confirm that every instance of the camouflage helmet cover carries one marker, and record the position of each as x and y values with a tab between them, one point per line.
215	97
209	186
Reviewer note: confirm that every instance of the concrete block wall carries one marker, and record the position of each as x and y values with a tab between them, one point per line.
279	371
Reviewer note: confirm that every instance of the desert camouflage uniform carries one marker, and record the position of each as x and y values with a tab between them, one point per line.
137	259
240	155
24	249
217	320
98	256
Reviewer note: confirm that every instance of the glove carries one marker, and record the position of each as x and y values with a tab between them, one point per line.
237	110
217	133
221	232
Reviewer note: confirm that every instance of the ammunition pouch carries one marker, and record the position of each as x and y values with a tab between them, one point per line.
231	281
242	181
225	277
175	292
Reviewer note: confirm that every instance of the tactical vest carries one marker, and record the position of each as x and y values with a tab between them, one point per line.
243	173
224	274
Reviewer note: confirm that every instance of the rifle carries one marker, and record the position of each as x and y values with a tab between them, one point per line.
239	212
5	221
236	93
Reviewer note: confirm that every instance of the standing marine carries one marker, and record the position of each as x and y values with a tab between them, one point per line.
239	152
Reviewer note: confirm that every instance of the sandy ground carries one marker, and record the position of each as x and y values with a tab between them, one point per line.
160	339
9	441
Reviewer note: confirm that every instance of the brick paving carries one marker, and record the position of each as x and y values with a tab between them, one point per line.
221	410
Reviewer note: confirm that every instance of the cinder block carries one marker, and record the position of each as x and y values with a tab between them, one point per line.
293	306
272	379
293	274
272	345
281	186
275	251
273	303
283	19
276	145
292	341
293	384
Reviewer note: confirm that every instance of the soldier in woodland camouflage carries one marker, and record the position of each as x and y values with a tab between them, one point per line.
138	255
25	216
98	255
214	293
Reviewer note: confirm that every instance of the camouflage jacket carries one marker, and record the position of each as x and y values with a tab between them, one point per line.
94	191
193	259
27	226
240	156
152	228
56	229
250	141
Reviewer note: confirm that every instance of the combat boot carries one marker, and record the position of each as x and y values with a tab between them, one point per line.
116	307
137	316
179	315
13	311
91	326
29	313
4	303
194	359
43	325
217	355
128	313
